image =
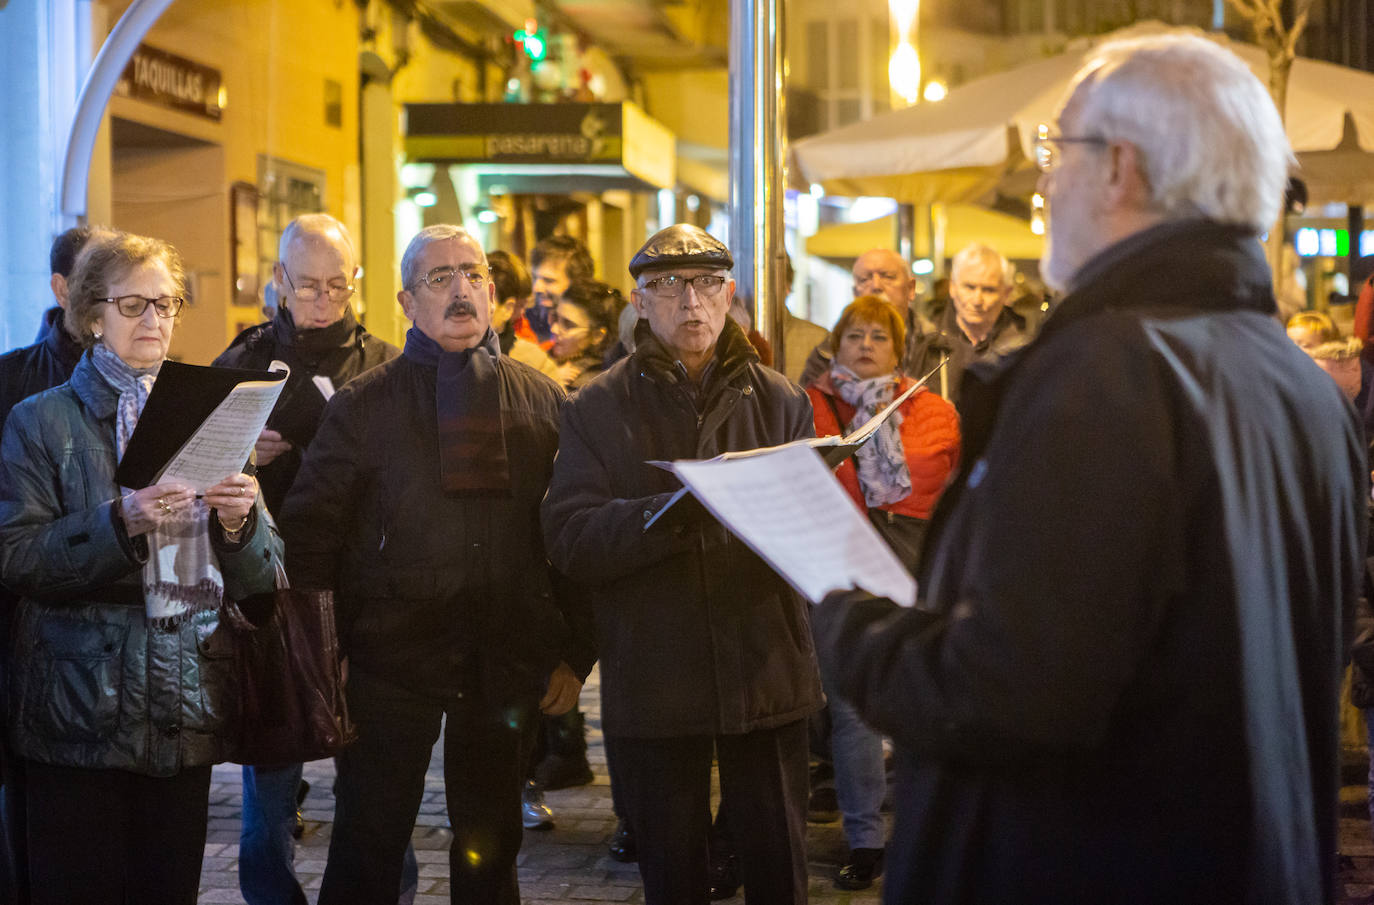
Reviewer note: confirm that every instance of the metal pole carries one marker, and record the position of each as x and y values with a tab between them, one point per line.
1355	227
906	232
756	154
109	64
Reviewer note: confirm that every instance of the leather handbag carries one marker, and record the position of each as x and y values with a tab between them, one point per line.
291	697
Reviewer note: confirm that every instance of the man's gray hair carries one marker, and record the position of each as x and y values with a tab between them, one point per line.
316	225
977	251
1211	140
410	261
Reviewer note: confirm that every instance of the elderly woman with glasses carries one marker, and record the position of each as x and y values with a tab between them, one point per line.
120	686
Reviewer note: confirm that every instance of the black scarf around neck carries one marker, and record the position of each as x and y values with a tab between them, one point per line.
313	343
472	438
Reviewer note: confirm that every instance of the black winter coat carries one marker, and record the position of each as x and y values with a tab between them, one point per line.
697	635
947	343
41	366
1125	689
435	593
340	352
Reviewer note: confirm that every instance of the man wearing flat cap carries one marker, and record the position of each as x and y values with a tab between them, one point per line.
703	647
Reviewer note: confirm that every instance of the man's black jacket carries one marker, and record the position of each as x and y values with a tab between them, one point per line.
437	593
1125	686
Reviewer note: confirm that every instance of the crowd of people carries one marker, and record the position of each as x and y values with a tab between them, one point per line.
1139	532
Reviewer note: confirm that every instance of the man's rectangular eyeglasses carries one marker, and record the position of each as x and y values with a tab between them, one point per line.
308	293
135	305
441	277
673	286
1047	152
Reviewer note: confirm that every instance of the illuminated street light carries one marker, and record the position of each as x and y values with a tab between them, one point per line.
904	13
904	72
904	69
935	90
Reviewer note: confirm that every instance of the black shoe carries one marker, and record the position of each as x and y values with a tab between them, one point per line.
622	846
864	865
298	825
558	771
724	876
822	807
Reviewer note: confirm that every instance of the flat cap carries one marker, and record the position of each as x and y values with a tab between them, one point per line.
682	245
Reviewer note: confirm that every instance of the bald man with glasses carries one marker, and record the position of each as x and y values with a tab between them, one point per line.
316	334
883	272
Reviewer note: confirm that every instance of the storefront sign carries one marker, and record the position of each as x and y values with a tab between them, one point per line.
616	135
514	133
171	81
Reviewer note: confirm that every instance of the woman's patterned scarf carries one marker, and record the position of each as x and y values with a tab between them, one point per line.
181	576
881	461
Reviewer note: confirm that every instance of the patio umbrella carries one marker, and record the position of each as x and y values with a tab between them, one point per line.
978	139
964	223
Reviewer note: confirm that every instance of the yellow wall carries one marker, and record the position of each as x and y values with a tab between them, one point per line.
274	56
693	103
422	73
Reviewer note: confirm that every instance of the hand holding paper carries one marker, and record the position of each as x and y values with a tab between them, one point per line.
788	507
834	450
270	445
198	425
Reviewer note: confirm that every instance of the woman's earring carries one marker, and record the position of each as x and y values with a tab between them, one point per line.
96	335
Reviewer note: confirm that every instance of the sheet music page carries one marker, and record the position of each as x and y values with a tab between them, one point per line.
789	508
220	446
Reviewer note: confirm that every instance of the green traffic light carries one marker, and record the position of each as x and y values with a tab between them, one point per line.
534	43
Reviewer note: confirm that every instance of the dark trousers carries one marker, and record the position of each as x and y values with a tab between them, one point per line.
381	780
109	836
14	888
665	788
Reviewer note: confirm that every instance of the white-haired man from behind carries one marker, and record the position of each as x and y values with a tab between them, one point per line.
1122	683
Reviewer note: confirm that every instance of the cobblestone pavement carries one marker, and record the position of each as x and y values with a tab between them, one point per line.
569	863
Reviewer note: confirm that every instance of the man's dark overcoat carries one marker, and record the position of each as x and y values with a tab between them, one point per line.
696	634
338	352
436	593
1126	690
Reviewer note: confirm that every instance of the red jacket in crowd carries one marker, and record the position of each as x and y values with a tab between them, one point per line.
930	436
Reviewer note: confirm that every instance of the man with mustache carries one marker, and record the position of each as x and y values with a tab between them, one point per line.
703	647
418	505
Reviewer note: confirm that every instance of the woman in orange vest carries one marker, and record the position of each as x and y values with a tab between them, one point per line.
895	478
